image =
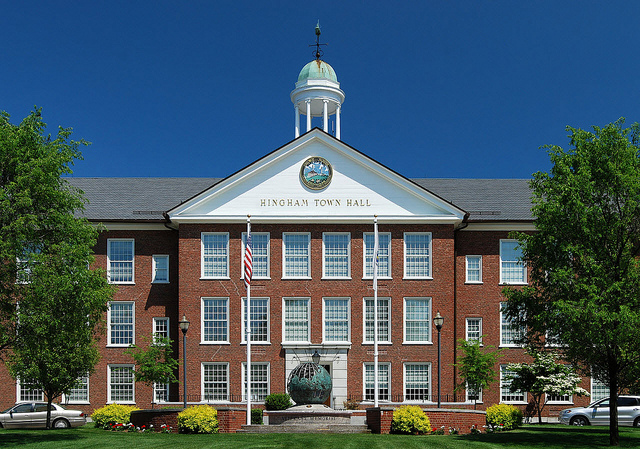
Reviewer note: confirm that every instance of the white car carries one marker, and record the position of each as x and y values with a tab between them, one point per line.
34	414
597	413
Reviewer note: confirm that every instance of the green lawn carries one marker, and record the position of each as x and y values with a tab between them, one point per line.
533	436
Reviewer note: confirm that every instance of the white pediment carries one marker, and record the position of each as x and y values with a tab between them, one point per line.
270	190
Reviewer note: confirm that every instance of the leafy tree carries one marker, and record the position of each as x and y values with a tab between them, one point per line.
51	302
584	291
155	363
476	366
544	377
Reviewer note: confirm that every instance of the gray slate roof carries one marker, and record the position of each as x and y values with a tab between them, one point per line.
145	199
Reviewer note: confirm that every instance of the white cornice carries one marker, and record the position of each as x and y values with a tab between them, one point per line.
500	226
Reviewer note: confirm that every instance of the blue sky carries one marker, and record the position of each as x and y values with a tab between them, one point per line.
462	89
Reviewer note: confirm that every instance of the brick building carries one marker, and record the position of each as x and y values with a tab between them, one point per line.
174	248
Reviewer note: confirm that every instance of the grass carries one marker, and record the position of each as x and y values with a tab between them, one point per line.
532	436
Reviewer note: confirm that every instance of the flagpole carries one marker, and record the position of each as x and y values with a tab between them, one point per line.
248	268
375	311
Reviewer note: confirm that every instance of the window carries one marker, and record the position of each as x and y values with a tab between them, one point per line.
336	255
336	320
474	270
296	320
259	381
417	255
417	382
384	255
598	390
161	392
120	319
296	255
384	320
512	269
259	320
509	333
384	391
559	399
120	258
121	383
215	320
473	395
259	254
215	381
26	392
160	269
215	255
160	328
505	394
79	394
474	329
417	320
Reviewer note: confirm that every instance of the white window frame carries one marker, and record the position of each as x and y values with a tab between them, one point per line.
467	331
552	399
327	265
83	385
503	281
367	259
468	269
154	268
160	388
504	390
133	325
285	319
156	323
26	394
225	265
285	236
368	324
429	382
504	323
428	321
381	367
225	382
346	341
202	320
468	398
133	262
110	400
598	386
429	256
255	257
254	399
244	320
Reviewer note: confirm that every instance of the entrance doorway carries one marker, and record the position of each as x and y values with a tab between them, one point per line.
328	401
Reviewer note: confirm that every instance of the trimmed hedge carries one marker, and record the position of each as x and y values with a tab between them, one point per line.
277	401
410	420
503	417
198	419
112	414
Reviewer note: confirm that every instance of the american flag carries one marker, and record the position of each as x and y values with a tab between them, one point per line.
248	260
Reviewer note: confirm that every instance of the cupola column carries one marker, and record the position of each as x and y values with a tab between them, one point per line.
297	108
325	115
338	107
308	101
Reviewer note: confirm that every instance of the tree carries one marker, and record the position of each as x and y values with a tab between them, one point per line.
544	377
476	367
584	290
51	302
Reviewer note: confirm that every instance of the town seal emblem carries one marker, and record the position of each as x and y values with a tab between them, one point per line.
316	173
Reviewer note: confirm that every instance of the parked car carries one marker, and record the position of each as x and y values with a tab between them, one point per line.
597	413
34	414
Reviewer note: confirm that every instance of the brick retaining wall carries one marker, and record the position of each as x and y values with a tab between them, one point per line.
379	419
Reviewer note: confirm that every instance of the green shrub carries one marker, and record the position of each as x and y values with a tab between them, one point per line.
256	416
198	419
112	414
503	417
277	401
410	420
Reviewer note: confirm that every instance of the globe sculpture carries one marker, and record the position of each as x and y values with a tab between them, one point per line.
309	383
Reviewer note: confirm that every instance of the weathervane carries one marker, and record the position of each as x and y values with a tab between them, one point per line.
318	53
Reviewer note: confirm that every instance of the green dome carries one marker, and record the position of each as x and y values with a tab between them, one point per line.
317	69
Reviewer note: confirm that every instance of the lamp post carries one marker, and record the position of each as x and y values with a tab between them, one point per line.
438	321
184	327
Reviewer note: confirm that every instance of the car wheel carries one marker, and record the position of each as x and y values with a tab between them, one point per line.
636	423
61	424
579	421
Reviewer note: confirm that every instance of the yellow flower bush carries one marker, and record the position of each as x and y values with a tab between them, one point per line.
411	420
198	419
112	414
503	417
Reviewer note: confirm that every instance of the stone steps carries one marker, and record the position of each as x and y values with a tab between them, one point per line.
306	428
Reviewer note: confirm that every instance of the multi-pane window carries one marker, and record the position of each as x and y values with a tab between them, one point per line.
473	395
259	254
161	392
120	321
336	255
160	328
384	254
215	320
215	381
417	254
599	390
121	383
417	382
296	320
417	320
259	316
296	255
384	320
509	332
474	329
259	381
384	389
556	398
120	261
474	270
512	268
505	382
336	319
26	392
215	255
79	394
160	269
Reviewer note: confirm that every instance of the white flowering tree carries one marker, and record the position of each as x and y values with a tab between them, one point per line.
544	378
